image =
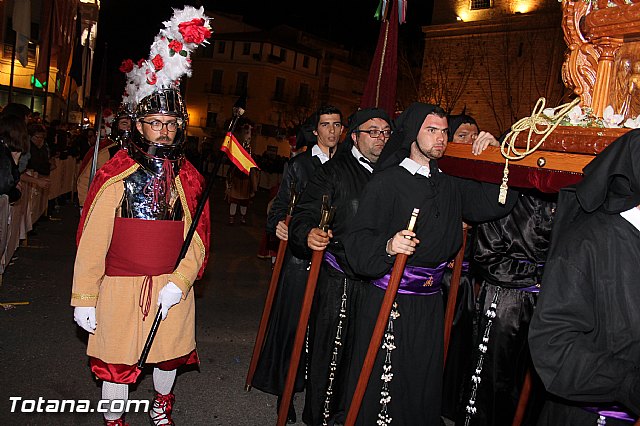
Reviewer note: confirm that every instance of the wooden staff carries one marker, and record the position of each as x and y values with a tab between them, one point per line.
523	400
378	331
312	280
453	291
271	293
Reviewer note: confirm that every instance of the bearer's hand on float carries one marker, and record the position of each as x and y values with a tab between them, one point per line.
282	231
318	240
402	242
169	295
85	317
481	143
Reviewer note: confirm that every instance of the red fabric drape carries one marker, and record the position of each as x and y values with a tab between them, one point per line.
521	177
380	90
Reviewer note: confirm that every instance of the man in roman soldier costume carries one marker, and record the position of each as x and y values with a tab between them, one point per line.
107	148
121	133
138	210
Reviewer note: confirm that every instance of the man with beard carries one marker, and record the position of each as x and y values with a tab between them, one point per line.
411	361
342	180
131	234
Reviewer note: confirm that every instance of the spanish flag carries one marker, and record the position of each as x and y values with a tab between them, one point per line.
237	154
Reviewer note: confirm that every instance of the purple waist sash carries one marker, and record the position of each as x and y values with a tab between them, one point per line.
612	412
331	260
416	280
465	265
531	289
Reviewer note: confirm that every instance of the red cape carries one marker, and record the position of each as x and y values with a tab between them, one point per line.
192	182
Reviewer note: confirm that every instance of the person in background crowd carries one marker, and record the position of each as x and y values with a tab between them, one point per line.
40	164
14	142
19	110
584	336
508	262
273	366
107	148
241	188
462	129
130	242
342	180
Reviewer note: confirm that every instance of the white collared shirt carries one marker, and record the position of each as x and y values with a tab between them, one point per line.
632	216
364	162
317	152
415	168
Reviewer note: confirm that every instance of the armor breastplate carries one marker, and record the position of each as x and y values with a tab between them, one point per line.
139	201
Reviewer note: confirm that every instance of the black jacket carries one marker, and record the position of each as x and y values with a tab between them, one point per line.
342	179
299	169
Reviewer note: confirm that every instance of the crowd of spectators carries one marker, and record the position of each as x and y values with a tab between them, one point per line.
29	148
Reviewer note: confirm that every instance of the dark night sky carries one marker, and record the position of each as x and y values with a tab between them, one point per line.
127	27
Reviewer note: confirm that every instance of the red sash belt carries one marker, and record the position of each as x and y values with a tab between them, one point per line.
144	247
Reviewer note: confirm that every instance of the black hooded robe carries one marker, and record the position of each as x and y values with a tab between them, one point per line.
342	179
509	258
273	365
584	336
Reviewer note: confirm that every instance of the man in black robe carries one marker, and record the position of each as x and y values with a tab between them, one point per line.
411	361
273	366
585	332
342	179
509	258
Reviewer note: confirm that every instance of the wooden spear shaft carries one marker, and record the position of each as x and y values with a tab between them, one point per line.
271	293
305	310
378	331
453	292
523	400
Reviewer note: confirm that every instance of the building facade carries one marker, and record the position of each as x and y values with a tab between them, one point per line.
285	73
54	41
494	59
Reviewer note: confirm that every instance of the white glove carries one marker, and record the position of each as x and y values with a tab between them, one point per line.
85	317
169	295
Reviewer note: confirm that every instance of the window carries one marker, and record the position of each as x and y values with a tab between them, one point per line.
221	46
246	48
216	81
305	62
278	95
211	119
480	4
206	51
283	54
242	82
304	95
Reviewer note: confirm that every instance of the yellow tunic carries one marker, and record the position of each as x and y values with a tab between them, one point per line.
82	183
121	332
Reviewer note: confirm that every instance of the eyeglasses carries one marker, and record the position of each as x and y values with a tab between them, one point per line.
435	131
375	133
157	125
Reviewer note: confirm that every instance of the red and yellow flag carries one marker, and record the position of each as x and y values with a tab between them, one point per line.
237	154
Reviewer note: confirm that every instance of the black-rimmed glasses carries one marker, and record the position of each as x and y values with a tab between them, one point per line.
157	125
375	133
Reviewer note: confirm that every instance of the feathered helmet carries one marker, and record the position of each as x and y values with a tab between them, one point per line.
153	85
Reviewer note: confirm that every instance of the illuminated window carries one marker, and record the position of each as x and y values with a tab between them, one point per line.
480	4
